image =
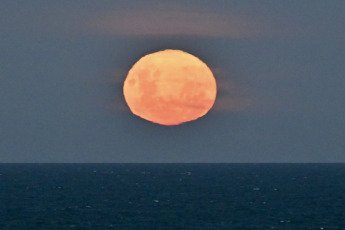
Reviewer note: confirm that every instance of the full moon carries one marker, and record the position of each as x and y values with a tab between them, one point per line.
170	87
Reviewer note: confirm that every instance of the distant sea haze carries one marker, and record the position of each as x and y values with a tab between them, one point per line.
172	196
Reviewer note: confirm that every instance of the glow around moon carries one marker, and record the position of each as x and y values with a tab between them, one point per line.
170	87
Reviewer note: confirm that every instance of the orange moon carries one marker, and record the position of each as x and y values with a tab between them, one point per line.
170	87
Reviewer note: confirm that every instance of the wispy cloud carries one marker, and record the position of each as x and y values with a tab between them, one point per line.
192	22
232	97
157	18
160	21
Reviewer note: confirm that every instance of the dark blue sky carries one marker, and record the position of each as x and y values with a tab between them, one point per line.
279	66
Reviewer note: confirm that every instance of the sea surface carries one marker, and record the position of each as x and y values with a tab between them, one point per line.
172	196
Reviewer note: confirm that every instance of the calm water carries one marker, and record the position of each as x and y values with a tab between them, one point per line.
172	196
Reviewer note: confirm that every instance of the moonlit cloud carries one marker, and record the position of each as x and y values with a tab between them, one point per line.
154	18
232	97
175	19
141	22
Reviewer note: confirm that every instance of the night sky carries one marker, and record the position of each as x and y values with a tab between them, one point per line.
279	67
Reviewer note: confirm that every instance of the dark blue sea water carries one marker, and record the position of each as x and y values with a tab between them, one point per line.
172	196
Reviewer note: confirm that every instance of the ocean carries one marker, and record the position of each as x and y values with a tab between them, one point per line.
172	196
